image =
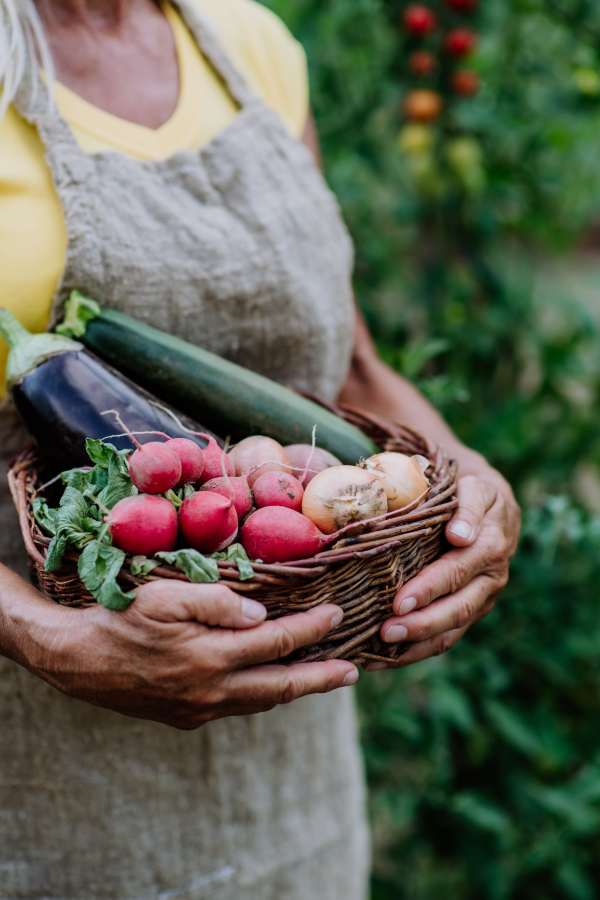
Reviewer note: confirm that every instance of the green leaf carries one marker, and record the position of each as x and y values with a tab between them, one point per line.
69	527
236	553
107	456
79	310
198	568
98	567
44	515
141	565
513	728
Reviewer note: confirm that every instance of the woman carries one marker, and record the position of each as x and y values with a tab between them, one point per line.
168	180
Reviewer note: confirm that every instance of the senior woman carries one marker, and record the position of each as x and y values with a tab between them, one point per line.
152	156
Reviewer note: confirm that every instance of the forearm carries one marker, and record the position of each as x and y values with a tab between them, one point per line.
23	612
373	386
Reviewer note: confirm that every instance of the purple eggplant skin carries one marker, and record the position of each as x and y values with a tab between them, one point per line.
61	401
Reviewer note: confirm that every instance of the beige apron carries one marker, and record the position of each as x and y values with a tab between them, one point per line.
240	248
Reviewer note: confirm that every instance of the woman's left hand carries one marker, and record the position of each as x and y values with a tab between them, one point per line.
435	608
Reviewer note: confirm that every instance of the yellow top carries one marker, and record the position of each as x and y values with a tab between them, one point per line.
33	236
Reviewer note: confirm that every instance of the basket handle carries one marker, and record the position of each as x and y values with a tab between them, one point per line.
17	489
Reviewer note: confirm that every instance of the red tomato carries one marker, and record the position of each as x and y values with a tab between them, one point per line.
460	41
419	20
465	82
422	63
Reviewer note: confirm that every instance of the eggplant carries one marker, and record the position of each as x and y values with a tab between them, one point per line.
60	390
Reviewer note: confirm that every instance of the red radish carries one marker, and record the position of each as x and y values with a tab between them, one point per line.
277	534
214	460
144	524
155	468
242	495
259	454
208	521
318	461
192	460
278	489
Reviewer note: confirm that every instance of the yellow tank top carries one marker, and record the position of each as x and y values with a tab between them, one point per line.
33	236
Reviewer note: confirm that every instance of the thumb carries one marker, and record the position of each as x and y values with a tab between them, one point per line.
210	604
475	498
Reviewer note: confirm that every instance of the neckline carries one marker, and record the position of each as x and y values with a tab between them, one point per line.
139	140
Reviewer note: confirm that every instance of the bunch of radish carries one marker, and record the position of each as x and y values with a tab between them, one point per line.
285	503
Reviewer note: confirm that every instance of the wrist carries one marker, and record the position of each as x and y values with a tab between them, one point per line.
470	462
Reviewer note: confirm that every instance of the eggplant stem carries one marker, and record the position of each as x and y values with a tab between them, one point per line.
11	329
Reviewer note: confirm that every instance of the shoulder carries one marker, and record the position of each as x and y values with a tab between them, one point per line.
266	53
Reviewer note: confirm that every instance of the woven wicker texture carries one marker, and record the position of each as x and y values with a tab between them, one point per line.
360	574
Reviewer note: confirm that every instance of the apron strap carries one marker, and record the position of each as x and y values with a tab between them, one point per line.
205	35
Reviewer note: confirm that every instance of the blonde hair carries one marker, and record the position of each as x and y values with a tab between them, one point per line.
23	47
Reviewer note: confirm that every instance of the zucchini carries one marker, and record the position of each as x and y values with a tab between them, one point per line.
230	399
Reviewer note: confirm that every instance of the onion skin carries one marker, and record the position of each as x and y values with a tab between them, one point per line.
341	496
256	455
320	460
401	477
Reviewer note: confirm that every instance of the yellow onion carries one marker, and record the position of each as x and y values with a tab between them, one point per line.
342	495
258	454
402	477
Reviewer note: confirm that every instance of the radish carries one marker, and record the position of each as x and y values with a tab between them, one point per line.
208	521
258	454
143	524
192	460
214	459
317	460
242	495
277	534
155	468
278	489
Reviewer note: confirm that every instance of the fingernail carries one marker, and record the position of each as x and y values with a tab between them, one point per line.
350	678
253	610
337	618
407	605
395	634
461	529
376	667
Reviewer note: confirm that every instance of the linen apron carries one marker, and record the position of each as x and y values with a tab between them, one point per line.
239	248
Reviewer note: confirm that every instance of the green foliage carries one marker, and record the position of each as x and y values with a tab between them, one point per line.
484	765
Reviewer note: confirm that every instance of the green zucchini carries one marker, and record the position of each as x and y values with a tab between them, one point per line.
228	398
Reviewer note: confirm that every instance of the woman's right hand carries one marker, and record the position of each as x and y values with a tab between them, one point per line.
181	654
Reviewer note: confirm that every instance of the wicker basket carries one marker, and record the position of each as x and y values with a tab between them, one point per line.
360	574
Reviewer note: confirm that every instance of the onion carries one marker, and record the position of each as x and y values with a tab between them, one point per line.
402	477
318	460
342	495
258	454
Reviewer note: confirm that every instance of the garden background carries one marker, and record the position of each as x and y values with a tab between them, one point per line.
478	270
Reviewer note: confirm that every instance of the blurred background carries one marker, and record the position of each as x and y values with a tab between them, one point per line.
463	143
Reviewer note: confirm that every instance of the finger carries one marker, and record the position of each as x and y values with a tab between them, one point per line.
451	572
434	646
278	638
209	604
272	685
475	498
455	611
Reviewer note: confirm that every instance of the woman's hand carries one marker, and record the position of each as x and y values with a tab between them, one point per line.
180	654
436	607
